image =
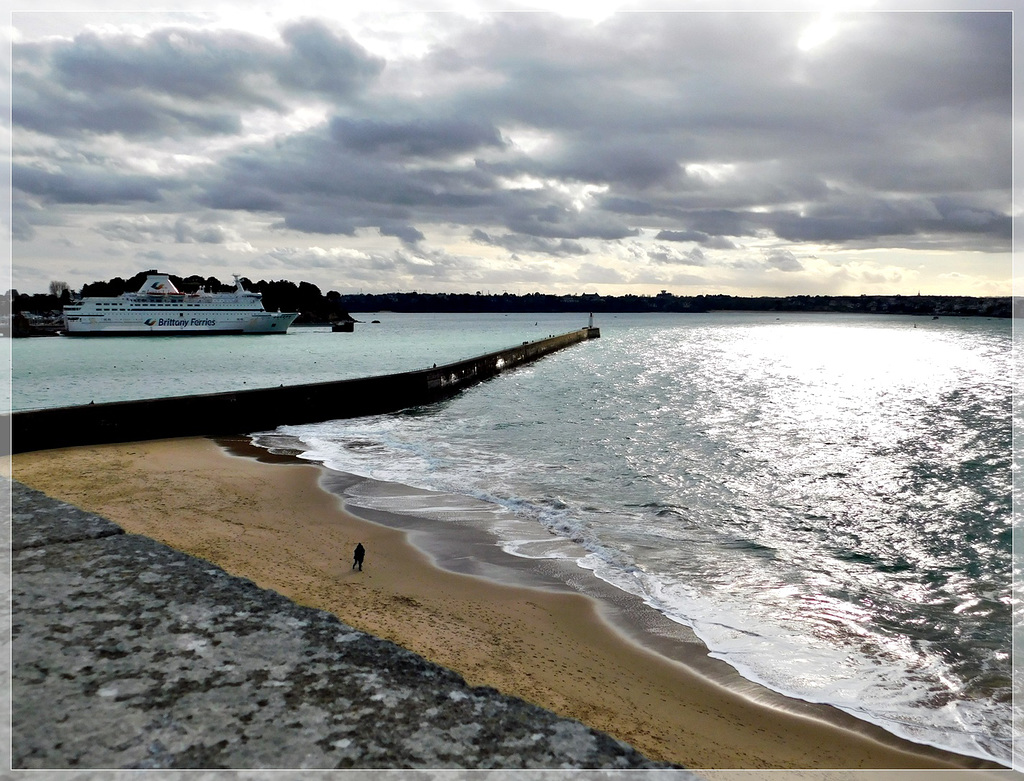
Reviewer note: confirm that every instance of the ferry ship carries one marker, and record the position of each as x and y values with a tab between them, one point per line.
160	309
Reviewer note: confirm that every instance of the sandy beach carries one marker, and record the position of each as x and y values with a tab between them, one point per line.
273	524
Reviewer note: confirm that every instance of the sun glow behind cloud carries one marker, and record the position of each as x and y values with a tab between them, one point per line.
818	33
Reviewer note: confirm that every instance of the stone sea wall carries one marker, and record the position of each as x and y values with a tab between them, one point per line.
129	655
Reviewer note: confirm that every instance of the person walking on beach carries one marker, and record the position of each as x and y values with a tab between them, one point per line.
357	560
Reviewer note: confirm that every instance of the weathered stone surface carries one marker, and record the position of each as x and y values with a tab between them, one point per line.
42	521
128	654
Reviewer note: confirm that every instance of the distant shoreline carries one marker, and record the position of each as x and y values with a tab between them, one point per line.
315	307
925	306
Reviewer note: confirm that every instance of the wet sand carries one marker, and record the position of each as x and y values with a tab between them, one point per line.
274	524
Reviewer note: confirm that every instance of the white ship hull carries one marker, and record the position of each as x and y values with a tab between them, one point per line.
159	309
173	325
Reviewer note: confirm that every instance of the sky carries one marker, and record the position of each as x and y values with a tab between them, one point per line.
826	149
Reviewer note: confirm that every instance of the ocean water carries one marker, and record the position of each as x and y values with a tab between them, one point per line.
825	500
60	371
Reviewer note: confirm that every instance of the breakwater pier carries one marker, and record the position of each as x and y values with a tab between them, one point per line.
261	409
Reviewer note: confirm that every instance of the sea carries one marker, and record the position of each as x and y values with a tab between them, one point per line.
823	499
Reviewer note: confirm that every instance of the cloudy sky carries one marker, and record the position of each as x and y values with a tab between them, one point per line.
611	150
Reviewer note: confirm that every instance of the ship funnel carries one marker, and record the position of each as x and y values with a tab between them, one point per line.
158	285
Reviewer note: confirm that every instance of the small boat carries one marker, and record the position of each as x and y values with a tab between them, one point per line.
160	309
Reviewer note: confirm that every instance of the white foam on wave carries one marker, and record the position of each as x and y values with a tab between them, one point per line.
864	686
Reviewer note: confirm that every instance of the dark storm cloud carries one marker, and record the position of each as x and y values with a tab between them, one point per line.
193	64
555	221
406	233
432	137
178	81
673	257
535	133
698	237
783	260
319	60
626	161
180	231
859	218
21	228
682	236
517	242
46	108
320	186
313	221
798	127
922	62
634	207
89	186
667	90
